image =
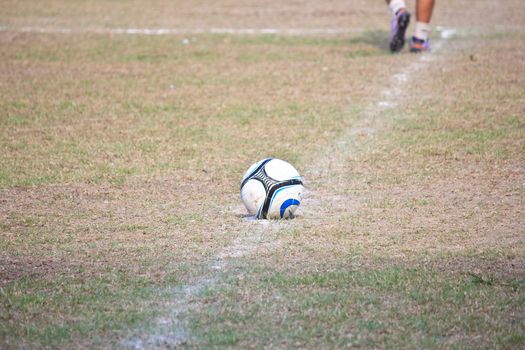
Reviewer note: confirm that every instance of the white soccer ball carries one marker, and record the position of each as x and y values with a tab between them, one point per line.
271	189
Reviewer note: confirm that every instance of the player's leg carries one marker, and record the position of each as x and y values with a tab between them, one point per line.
400	21
420	41
424	9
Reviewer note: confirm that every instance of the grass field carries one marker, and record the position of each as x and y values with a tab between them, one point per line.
121	157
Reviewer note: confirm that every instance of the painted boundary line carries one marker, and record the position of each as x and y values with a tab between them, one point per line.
445	32
183	31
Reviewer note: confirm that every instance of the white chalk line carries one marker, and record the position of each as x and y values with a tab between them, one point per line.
173	329
400	79
446	33
185	31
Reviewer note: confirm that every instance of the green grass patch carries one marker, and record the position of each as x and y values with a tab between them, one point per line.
391	307
61	311
437	136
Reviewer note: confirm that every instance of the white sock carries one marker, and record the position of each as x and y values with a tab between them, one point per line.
422	30
396	5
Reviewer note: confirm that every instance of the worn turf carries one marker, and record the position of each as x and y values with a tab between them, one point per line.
120	223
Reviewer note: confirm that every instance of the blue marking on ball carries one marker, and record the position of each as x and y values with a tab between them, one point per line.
287	203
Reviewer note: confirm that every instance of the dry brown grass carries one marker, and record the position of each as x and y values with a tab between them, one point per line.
122	155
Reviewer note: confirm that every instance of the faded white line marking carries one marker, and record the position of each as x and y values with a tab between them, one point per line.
400	79
446	33
386	104
179	31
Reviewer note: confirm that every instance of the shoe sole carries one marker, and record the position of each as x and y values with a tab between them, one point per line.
398	40
421	49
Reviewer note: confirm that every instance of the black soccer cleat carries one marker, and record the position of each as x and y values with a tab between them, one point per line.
399	27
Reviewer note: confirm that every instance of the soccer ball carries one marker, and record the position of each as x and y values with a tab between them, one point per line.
271	189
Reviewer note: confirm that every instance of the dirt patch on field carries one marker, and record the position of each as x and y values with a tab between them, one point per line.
124	155
51	230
